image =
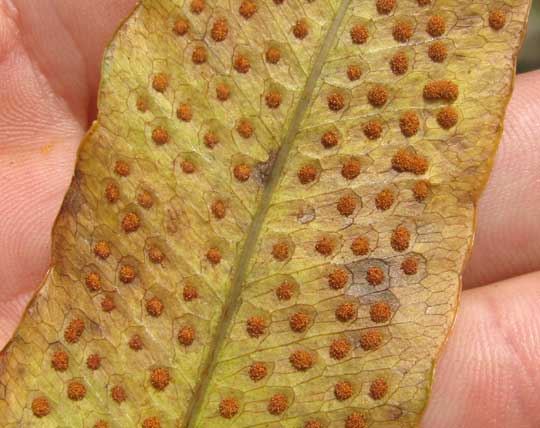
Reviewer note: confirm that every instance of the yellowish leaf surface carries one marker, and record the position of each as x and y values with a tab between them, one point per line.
267	223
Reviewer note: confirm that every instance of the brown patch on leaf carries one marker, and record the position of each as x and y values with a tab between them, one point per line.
160	378
343	390
74	330
301	360
299	322
278	404
370	340
256	326
229	408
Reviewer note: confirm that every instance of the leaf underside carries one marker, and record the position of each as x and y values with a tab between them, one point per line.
267	223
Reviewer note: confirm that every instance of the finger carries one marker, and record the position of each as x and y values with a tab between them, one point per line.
66	40
488	375
40	132
507	241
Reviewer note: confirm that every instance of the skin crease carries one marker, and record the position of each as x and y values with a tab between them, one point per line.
50	52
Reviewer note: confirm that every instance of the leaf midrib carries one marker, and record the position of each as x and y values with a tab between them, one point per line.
233	299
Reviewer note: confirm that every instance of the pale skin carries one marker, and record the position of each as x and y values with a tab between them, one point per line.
50	53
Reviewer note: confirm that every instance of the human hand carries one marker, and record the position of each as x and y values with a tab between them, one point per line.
50	53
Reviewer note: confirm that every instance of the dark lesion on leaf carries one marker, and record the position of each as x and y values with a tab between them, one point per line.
263	170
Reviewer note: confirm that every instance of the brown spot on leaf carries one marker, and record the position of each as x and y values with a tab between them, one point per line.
384	200
409	266
181	27
121	168
102	250
346	312
93	362
378	389
118	394
404	161
93	281
131	222
384	7
447	117
409	123
76	391
256	326
188	167
280	251
421	190
74	330
136	343
346	205
278	404
301	360
190	293
441	90
285	291
436	26
399	63
299	322
242	172
107	304
145	199
186	335
220	30
313	423
213	255
343	390
370	340
351	169
245	129
211	140
354	72
60	361
154	307
380	312
355	420
247	8
335	102
359	34
375	275
242	64
127	274
257	371
101	424
155	255
273	99
378	96
329	139
218	209
160	378
325	246
360	246
184	113
152	422
497	19
338	279
437	52
160	136
273	55
223	92
160	82
197	6
373	129
340	348
400	238
199	55
307	174
112	193
402	31
300	29
228	408
41	407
